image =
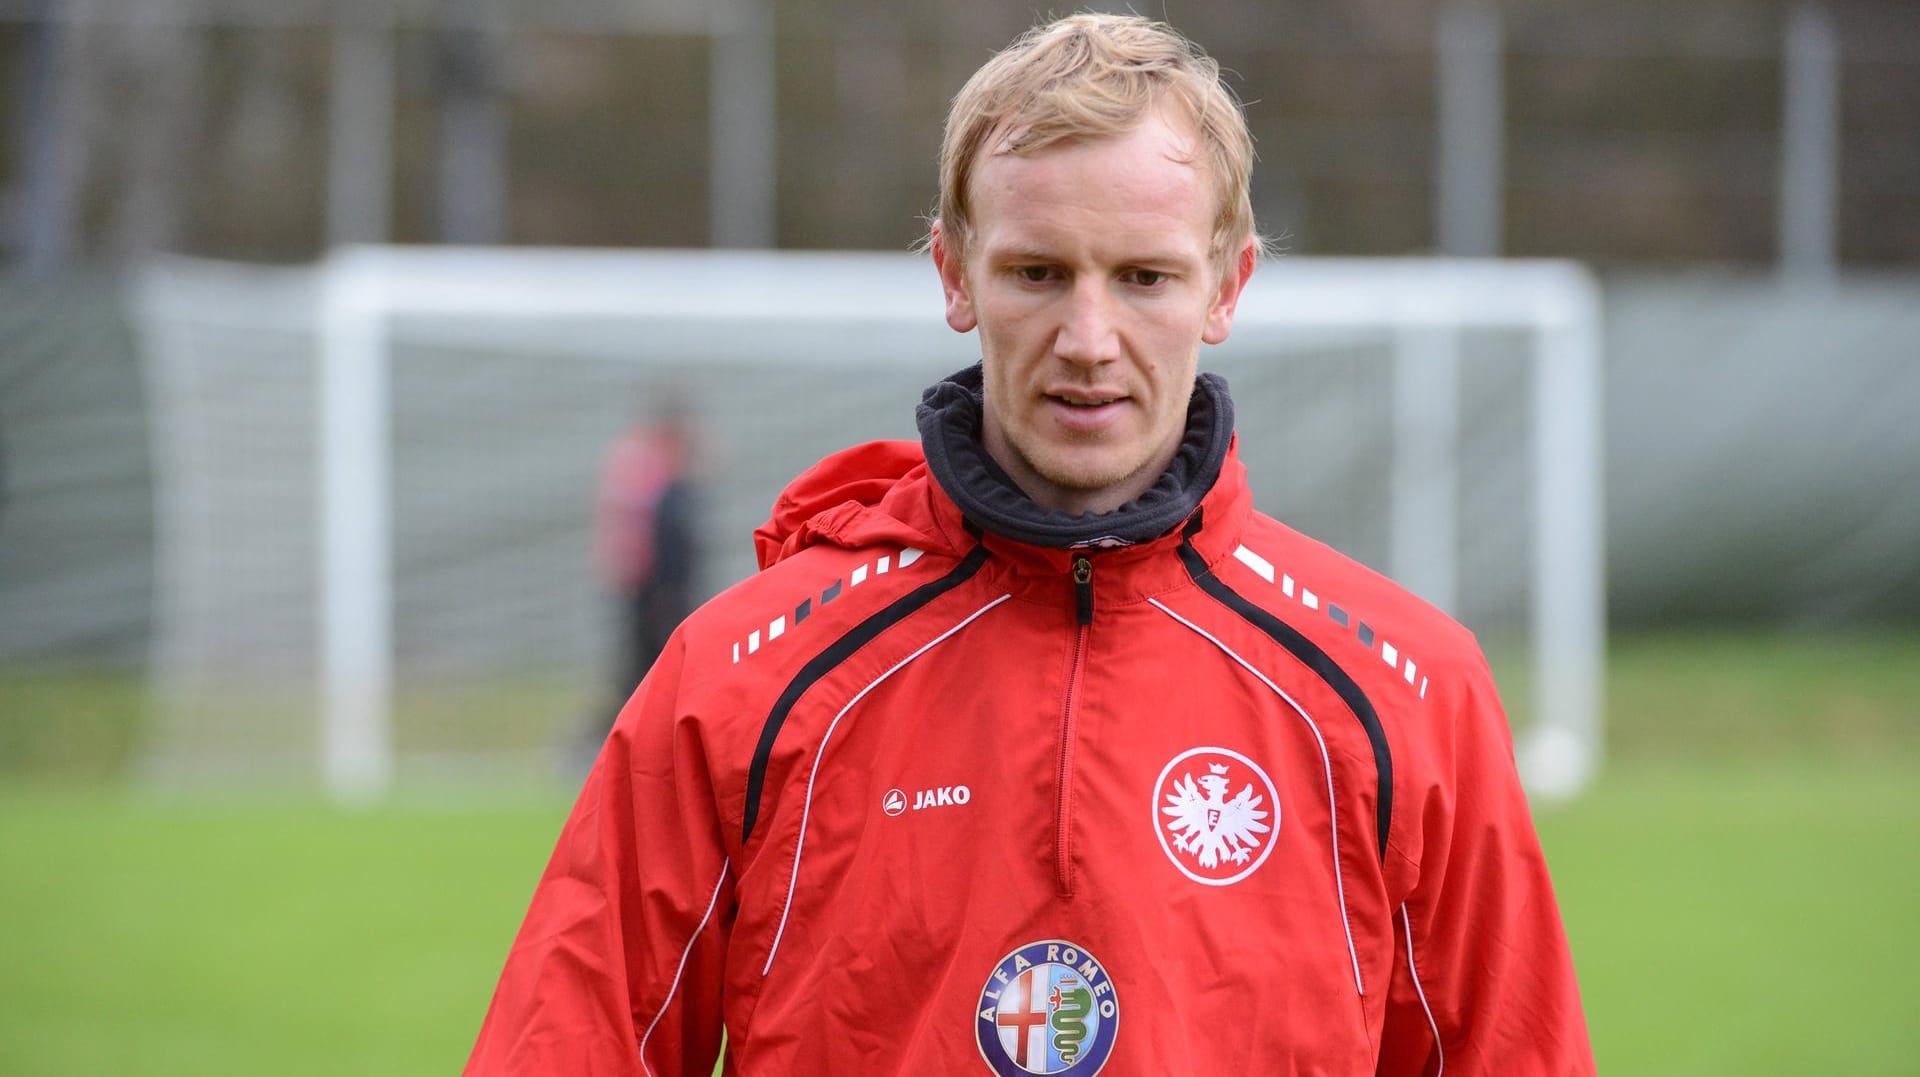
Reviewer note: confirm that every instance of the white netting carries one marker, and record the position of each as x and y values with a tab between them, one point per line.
505	390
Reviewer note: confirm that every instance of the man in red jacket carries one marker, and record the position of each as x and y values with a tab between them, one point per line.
1034	749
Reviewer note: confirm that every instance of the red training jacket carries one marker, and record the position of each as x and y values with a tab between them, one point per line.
917	801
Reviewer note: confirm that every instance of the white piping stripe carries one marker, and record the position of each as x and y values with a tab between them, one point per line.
1409	671
881	568
1286	585
753	641
1414	971
820	753
736	650
777	628
684	954
1255	562
859	576
1311	600
1423	688
1389	654
1333	813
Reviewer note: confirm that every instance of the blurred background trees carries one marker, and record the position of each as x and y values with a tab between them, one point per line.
1630	131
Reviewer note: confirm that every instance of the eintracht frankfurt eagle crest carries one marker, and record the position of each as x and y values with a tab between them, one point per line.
1215	813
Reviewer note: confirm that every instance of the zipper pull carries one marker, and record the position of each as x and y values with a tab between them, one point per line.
1083	587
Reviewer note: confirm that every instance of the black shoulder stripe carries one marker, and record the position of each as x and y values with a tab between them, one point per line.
1318	661
837	652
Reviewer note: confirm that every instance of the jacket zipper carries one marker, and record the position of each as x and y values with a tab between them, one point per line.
1063	823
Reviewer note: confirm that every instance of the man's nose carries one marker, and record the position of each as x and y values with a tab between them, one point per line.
1088	333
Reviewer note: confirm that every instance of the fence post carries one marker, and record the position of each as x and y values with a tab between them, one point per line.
742	180
360	136
1470	130
1809	146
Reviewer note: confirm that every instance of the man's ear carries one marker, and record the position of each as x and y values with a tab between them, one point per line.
1232	282
953	281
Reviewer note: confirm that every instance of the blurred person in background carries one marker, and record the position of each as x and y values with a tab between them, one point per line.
643	544
1033	748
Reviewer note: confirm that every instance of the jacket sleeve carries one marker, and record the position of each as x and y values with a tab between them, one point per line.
617	969
1482	980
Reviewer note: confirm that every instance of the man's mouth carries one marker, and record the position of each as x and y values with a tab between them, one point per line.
1082	400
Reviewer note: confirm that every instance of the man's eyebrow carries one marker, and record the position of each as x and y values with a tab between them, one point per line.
1032	253
1020	253
1161	258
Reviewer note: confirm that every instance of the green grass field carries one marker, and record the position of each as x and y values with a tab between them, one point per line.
1740	888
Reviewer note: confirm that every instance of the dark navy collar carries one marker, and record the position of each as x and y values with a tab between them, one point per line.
949	417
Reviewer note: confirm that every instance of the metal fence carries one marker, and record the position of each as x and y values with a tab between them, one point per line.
76	510
1750	131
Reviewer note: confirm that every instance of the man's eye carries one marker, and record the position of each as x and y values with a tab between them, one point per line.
1148	277
1034	274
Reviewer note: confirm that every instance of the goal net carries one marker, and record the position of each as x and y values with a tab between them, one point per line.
376	477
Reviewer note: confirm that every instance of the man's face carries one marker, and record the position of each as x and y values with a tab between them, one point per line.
1091	278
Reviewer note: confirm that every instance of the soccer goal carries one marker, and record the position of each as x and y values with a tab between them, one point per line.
376	476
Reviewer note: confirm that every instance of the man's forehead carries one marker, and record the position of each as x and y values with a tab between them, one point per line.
1177	132
1135	192
1155	156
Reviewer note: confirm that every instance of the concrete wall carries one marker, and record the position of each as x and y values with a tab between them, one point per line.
1763	450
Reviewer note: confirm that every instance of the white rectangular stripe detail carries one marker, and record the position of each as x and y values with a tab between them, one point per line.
1311	600
1286	585
777	629
1389	654
753	641
908	555
1255	562
859	576
1409	671
881	568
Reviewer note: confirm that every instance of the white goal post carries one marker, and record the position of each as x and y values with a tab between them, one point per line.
835	308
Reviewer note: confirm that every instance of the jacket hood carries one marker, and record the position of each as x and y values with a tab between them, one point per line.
838	502
945	494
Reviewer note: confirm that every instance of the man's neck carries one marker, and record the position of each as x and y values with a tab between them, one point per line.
1071	500
988	490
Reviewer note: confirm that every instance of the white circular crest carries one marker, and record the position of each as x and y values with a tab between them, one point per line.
894	802
1216	814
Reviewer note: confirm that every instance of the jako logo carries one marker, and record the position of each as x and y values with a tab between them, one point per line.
894	802
944	797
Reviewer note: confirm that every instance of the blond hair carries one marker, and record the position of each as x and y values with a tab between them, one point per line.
1096	76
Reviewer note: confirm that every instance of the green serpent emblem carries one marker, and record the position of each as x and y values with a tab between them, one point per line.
1070	1007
